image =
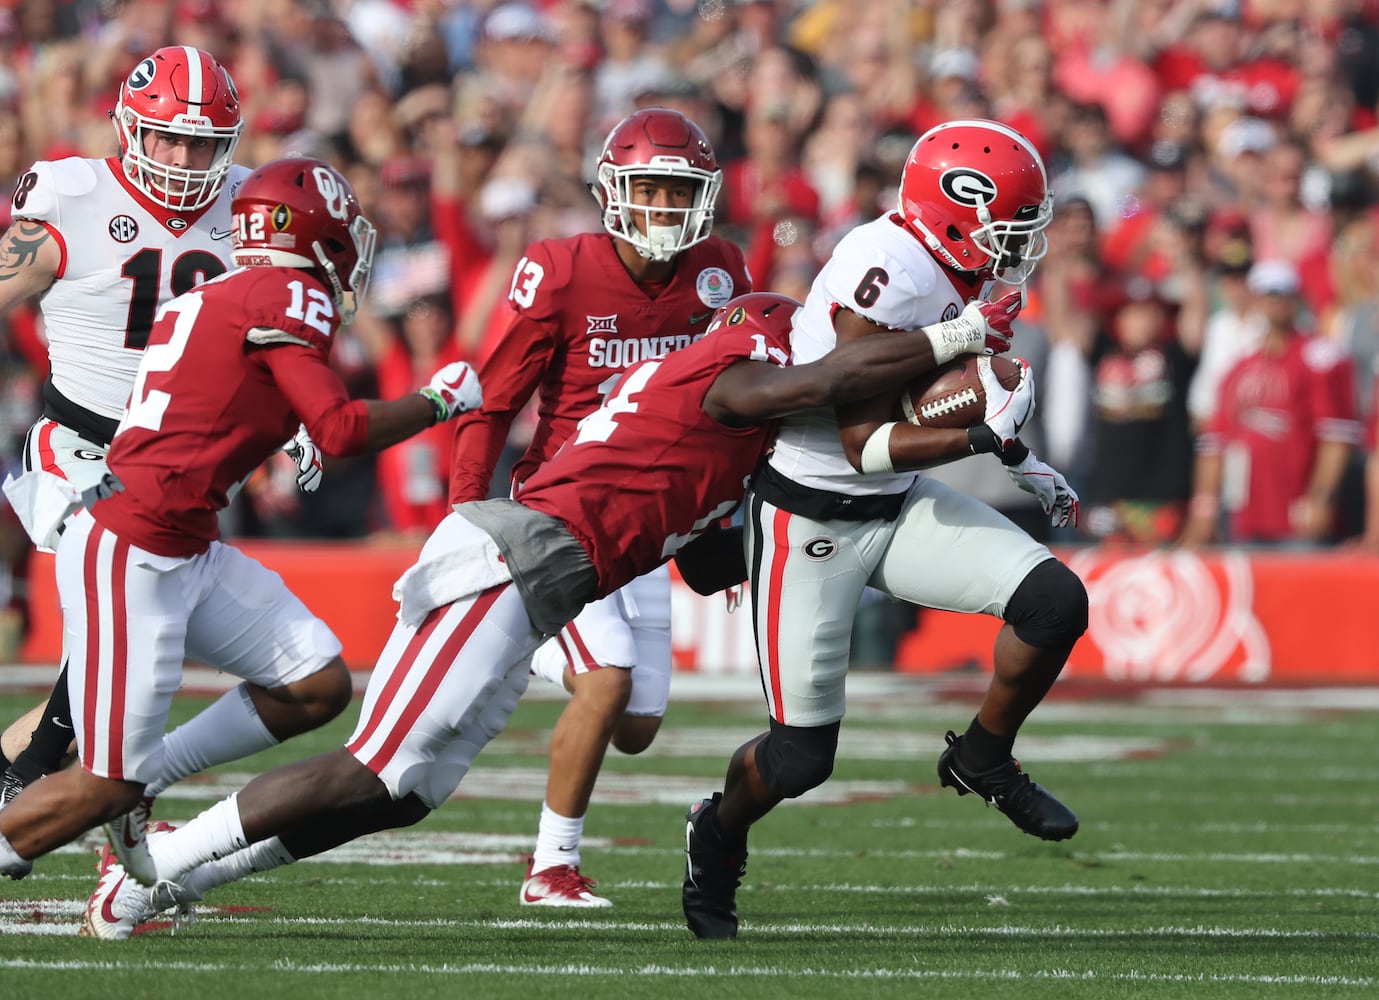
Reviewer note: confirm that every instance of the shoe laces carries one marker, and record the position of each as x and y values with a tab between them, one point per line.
567	879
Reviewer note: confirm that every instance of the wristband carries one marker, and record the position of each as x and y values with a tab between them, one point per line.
440	410
876	453
982	440
1015	454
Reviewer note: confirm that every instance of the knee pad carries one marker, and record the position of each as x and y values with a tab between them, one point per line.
793	759
1049	608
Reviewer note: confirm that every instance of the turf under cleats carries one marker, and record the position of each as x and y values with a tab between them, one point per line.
561	885
712	875
1010	790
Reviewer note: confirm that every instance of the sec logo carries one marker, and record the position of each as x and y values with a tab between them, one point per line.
123	229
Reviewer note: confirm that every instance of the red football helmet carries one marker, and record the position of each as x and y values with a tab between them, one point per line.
300	212
975	193
765	311
657	142
181	90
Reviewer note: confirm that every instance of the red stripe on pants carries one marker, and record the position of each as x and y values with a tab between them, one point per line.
435	673
119	650
780	554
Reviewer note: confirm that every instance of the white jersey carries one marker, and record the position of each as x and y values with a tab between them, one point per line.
122	257
881	272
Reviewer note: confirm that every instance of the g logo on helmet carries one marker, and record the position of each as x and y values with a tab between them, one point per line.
337	201
142	75
968	187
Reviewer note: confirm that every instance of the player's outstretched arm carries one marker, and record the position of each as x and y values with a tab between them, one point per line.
752	392
29	259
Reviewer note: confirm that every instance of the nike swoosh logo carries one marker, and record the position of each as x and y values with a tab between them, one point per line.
528	897
130	842
59	723
216	234
108	905
697	318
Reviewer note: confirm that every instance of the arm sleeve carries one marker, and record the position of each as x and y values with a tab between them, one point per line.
337	424
509	376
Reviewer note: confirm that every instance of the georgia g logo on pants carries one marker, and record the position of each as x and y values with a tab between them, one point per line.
820	548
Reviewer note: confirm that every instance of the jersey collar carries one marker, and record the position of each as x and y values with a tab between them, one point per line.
177	223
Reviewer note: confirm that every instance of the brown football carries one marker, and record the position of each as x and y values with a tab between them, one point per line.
952	395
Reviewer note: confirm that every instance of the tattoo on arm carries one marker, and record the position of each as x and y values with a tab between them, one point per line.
20	246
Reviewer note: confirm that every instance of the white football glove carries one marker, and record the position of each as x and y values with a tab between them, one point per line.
980	327
454	390
1007	410
1047	483
302	450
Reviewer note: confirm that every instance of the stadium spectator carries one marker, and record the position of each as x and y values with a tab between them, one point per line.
1141	472
1273	455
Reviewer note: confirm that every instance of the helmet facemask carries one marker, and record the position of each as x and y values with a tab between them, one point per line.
660	243
364	236
1015	246
160	181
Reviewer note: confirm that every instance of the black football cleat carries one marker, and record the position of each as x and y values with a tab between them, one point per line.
1010	790
712	875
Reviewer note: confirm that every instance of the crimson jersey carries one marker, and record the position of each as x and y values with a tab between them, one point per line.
581	321
1273	410
649	470
230	370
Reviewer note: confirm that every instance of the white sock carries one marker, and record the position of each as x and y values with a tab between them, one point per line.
549	662
10	861
227	730
261	857
213	834
557	840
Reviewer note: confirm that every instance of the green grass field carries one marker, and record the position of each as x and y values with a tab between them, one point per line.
1229	848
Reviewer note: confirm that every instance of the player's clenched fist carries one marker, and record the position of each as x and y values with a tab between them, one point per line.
454	390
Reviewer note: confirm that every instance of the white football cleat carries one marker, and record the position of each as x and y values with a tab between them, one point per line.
120	904
129	840
562	885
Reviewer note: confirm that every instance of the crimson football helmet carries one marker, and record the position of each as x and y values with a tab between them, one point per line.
300	212
765	311
975	193
184	91
657	142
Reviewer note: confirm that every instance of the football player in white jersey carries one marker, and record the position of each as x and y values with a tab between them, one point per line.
104	243
839	507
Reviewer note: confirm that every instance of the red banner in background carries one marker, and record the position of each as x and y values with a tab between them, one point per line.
1156	618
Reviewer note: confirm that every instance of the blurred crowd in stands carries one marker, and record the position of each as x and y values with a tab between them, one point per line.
1205	328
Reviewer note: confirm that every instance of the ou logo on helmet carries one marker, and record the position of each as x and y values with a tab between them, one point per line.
334	195
968	187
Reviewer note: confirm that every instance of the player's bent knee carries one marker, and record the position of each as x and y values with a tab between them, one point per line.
326	693
605	690
793	759
635	733
1049	608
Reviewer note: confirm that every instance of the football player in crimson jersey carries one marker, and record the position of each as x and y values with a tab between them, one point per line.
586	309
231	369
105	243
639	482
838	508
